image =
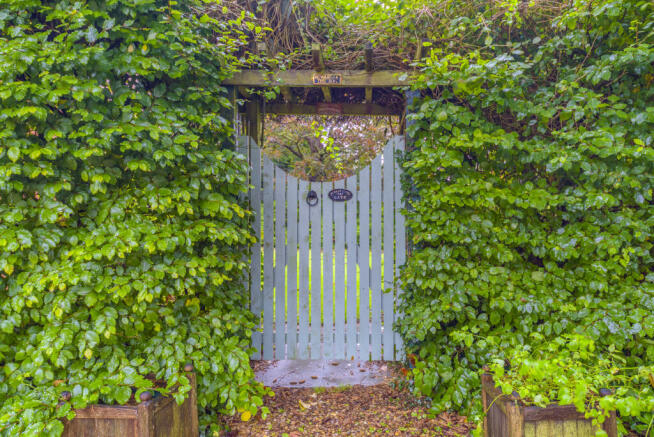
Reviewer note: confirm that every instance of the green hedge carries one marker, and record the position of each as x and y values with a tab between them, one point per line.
530	190
121	233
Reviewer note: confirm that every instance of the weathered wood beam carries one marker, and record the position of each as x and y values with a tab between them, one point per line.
304	78
368	94
330	109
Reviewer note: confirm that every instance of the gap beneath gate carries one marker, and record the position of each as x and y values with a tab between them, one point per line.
320	373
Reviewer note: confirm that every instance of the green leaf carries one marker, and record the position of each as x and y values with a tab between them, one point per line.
13	153
122	394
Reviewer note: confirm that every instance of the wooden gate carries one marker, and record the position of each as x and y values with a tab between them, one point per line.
323	273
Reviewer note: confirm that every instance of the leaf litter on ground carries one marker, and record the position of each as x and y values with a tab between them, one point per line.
387	409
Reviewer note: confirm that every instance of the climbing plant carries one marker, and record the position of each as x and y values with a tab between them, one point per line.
121	231
530	201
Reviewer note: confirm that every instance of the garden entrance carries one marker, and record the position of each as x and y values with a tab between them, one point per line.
323	272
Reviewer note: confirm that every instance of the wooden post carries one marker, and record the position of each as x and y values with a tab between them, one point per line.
369	94
485	404
319	65
326	92
515	418
288	95
422	51
316	55
368	57
144	423
253	114
369	66
193	402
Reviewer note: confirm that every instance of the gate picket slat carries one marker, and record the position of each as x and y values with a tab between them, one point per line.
303	240
364	264
316	301
339	276
387	284
243	148
255	258
351	240
328	283
268	262
280	264
400	242
376	240
291	265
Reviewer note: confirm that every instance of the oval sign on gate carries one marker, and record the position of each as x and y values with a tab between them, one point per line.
340	195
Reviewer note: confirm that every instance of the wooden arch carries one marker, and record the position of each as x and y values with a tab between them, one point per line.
332	83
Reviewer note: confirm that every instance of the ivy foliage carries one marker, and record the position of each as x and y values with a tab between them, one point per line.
530	195
121	231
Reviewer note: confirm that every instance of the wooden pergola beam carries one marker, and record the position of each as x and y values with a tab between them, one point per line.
305	78
330	109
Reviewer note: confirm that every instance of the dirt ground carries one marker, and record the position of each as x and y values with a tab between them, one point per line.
381	410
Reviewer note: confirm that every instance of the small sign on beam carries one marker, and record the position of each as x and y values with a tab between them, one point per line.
327	79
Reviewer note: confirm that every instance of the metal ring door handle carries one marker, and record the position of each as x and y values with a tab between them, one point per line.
312	198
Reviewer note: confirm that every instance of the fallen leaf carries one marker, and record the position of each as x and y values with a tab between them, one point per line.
348	411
